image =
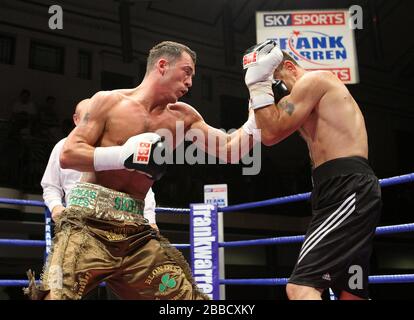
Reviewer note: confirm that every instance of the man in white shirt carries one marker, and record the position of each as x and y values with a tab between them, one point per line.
58	182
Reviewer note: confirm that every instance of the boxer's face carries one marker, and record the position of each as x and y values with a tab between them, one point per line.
179	76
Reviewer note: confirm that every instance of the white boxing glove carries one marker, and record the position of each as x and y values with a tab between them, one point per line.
261	61
136	154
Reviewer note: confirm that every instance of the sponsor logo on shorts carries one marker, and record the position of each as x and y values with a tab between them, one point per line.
167	278
83	193
166	282
81	197
128	205
168	268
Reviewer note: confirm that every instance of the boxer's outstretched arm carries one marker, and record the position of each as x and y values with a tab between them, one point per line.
279	121
78	150
227	147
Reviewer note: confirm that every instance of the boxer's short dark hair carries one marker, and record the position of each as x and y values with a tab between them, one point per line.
287	57
168	49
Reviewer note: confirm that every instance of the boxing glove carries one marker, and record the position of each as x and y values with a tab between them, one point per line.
261	61
136	154
279	90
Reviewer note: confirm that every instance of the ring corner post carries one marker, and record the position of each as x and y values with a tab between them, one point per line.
204	253
48	232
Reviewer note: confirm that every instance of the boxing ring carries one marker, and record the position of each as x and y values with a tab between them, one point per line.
204	244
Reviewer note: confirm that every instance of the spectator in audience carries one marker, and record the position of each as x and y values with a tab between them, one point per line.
47	122
23	111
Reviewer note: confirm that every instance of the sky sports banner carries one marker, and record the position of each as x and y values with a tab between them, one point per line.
216	194
204	248
319	40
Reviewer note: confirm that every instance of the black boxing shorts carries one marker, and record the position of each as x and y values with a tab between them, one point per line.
346	207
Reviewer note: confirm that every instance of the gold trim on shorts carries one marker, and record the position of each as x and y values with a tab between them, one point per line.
104	203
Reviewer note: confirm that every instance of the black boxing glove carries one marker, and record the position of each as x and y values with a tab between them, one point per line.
136	154
279	90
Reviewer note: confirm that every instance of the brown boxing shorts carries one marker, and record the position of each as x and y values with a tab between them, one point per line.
103	236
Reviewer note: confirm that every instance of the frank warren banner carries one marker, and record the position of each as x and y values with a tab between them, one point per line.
318	40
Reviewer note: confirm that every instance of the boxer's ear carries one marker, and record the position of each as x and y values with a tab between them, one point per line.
289	65
162	65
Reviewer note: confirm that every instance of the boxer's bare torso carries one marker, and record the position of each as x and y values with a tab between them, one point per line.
321	108
117	116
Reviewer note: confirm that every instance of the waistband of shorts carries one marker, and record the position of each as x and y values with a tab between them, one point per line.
104	201
341	166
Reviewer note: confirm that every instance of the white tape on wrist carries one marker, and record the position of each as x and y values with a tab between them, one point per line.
250	125
261	94
107	158
261	101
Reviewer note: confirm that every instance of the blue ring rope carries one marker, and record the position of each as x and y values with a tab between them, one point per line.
305	196
396	278
22	243
34	203
276	281
409	227
274	201
42	243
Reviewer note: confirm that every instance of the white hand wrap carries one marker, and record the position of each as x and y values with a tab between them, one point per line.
108	158
261	94
250	124
113	158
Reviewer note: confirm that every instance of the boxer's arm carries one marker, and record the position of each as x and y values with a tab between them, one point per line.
78	150
227	147
149	208
51	181
279	121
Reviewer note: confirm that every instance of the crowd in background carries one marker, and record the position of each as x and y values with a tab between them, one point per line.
27	137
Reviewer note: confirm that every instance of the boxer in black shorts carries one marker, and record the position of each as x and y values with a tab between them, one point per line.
346	200
346	205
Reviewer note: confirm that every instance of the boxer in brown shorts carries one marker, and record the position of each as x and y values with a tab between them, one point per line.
103	236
